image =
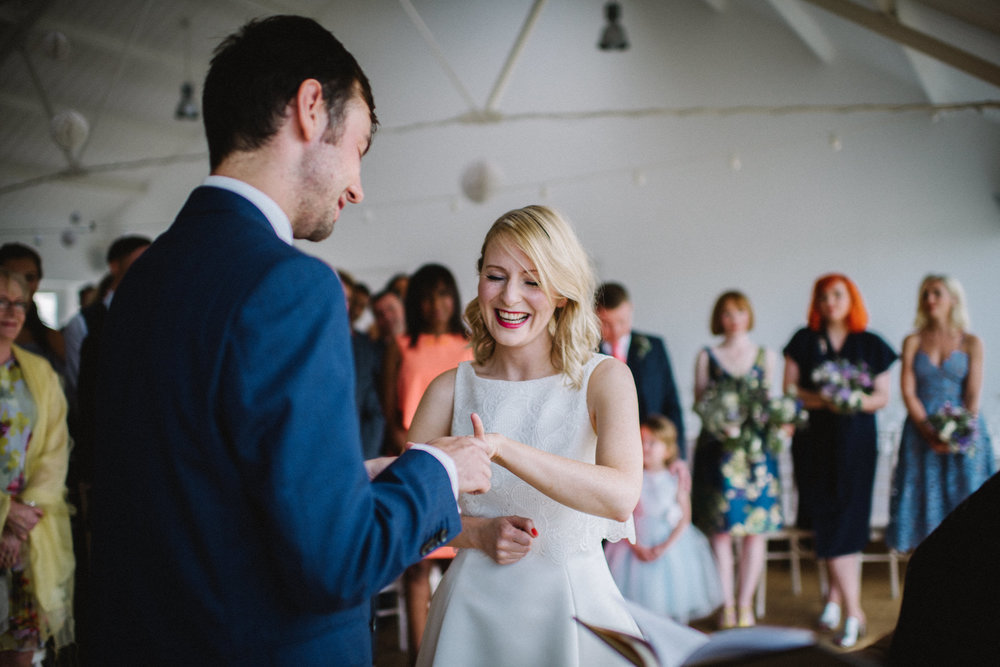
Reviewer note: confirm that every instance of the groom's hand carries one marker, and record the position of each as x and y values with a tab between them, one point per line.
471	461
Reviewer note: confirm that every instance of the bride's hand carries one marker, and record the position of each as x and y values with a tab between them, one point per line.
506	539
494	441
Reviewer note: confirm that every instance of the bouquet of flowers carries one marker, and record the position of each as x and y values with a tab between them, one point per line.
781	411
738	413
956	427
843	383
723	409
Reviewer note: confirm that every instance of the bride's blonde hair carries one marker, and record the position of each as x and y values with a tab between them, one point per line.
564	272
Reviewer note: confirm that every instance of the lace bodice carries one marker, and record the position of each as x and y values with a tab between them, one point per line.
549	415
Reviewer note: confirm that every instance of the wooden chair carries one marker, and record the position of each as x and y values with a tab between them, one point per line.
888	448
792	541
397	609
888	443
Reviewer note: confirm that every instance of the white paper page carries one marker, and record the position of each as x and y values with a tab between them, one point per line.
672	641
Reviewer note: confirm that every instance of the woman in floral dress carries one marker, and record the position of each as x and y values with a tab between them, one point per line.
736	491
36	552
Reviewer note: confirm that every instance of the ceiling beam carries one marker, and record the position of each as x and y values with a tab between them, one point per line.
425	32
123	123
985	15
113	45
21	174
806	27
514	55
888	26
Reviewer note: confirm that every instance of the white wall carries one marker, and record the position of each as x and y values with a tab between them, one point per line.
655	199
905	196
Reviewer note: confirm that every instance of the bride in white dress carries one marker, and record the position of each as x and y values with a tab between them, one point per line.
563	424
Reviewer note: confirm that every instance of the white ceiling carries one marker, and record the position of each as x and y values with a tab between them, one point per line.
441	63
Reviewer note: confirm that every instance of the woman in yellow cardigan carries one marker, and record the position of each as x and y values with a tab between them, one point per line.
36	550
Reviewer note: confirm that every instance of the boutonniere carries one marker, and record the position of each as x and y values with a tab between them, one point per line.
642	346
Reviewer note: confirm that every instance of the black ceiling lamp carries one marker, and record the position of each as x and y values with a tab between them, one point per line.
613	36
187	108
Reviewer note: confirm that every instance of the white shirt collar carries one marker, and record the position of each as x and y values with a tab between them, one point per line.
278	219
626	340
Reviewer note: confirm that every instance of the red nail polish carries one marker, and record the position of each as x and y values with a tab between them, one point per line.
534	532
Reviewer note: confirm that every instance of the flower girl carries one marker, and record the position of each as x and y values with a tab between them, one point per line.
669	569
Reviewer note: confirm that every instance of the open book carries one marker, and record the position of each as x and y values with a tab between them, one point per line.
670	644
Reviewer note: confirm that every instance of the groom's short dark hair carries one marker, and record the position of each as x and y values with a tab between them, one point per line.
257	71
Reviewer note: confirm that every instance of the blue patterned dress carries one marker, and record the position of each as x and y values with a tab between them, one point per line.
734	491
927	486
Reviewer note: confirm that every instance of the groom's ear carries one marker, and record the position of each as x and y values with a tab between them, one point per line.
309	109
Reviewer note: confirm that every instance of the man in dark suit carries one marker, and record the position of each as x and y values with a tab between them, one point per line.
645	354
367	370
234	522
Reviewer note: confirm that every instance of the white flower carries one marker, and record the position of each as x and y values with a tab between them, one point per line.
946	431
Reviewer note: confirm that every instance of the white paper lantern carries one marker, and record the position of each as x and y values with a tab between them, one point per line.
70	129
480	180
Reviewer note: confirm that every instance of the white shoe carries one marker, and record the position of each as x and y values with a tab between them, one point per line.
854	629
830	618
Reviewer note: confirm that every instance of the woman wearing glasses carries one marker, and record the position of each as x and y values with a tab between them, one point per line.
36	552
35	336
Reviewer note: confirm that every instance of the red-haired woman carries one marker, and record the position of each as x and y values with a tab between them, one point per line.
835	455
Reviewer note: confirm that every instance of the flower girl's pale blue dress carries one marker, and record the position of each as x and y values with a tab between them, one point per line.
683	583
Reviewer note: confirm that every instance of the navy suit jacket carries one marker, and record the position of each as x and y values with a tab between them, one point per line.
234	522
654	382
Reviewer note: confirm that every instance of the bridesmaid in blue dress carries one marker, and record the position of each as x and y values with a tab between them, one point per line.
942	363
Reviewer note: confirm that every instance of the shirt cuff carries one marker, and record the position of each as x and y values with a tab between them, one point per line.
446	461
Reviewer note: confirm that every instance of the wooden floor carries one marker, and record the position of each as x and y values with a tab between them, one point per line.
783	607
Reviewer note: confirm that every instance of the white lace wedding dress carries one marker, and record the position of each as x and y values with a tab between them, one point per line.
522	614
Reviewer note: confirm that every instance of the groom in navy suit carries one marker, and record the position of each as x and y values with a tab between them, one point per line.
645	354
234	519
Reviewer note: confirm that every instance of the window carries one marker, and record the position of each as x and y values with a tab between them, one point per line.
48	308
